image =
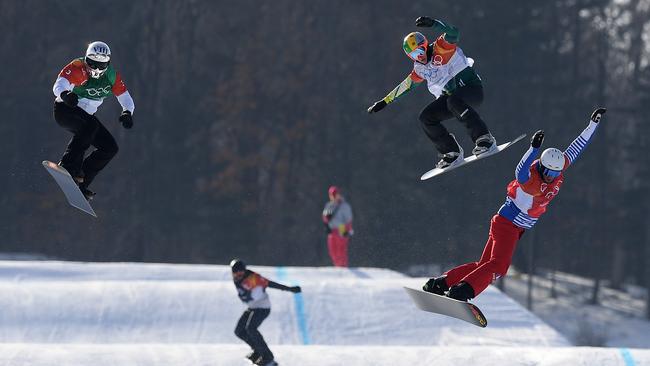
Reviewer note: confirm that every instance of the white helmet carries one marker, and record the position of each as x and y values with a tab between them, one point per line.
98	55
552	159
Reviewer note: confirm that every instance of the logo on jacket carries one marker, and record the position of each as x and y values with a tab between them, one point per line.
98	92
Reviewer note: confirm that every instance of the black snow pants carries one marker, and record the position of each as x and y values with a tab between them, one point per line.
247	331
460	104
86	130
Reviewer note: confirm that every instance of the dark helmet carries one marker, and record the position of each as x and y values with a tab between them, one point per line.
237	265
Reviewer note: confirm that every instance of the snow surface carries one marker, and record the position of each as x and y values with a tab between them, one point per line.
232	355
617	321
65	313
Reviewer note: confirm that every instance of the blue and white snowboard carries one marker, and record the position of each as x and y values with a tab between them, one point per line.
444	305
69	187
437	171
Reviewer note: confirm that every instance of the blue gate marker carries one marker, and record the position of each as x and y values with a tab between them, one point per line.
627	357
301	316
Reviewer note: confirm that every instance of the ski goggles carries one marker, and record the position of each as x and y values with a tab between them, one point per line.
551	173
238	275
96	65
417	53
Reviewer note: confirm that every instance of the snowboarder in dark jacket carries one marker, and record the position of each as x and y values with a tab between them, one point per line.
251	289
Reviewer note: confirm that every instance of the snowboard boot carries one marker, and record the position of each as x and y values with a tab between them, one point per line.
270	363
86	192
436	285
451	158
76	174
461	291
266	360
253	357
485	143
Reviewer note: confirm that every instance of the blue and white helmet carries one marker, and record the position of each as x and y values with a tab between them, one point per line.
98	56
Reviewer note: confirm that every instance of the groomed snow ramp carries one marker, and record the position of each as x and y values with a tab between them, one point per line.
67	313
231	355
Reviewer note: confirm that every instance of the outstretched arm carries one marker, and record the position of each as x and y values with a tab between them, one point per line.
578	145
522	171
282	287
451	33
410	83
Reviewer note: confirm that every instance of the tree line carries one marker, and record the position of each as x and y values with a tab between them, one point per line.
246	112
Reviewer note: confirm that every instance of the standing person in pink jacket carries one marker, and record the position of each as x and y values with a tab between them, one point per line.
337	217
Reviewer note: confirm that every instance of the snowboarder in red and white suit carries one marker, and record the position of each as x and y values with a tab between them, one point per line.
536	184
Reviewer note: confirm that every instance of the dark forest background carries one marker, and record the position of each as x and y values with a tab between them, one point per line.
246	111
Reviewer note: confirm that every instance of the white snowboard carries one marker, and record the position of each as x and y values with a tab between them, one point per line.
437	171
69	187
447	306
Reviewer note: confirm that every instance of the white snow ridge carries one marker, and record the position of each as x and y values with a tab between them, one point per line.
64	313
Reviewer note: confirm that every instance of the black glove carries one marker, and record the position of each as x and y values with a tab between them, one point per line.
424	22
295	289
537	139
327	228
377	106
429	286
126	119
69	98
598	113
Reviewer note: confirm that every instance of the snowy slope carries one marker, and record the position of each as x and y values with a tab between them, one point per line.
231	355
82	271
63	313
170	303
617	321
